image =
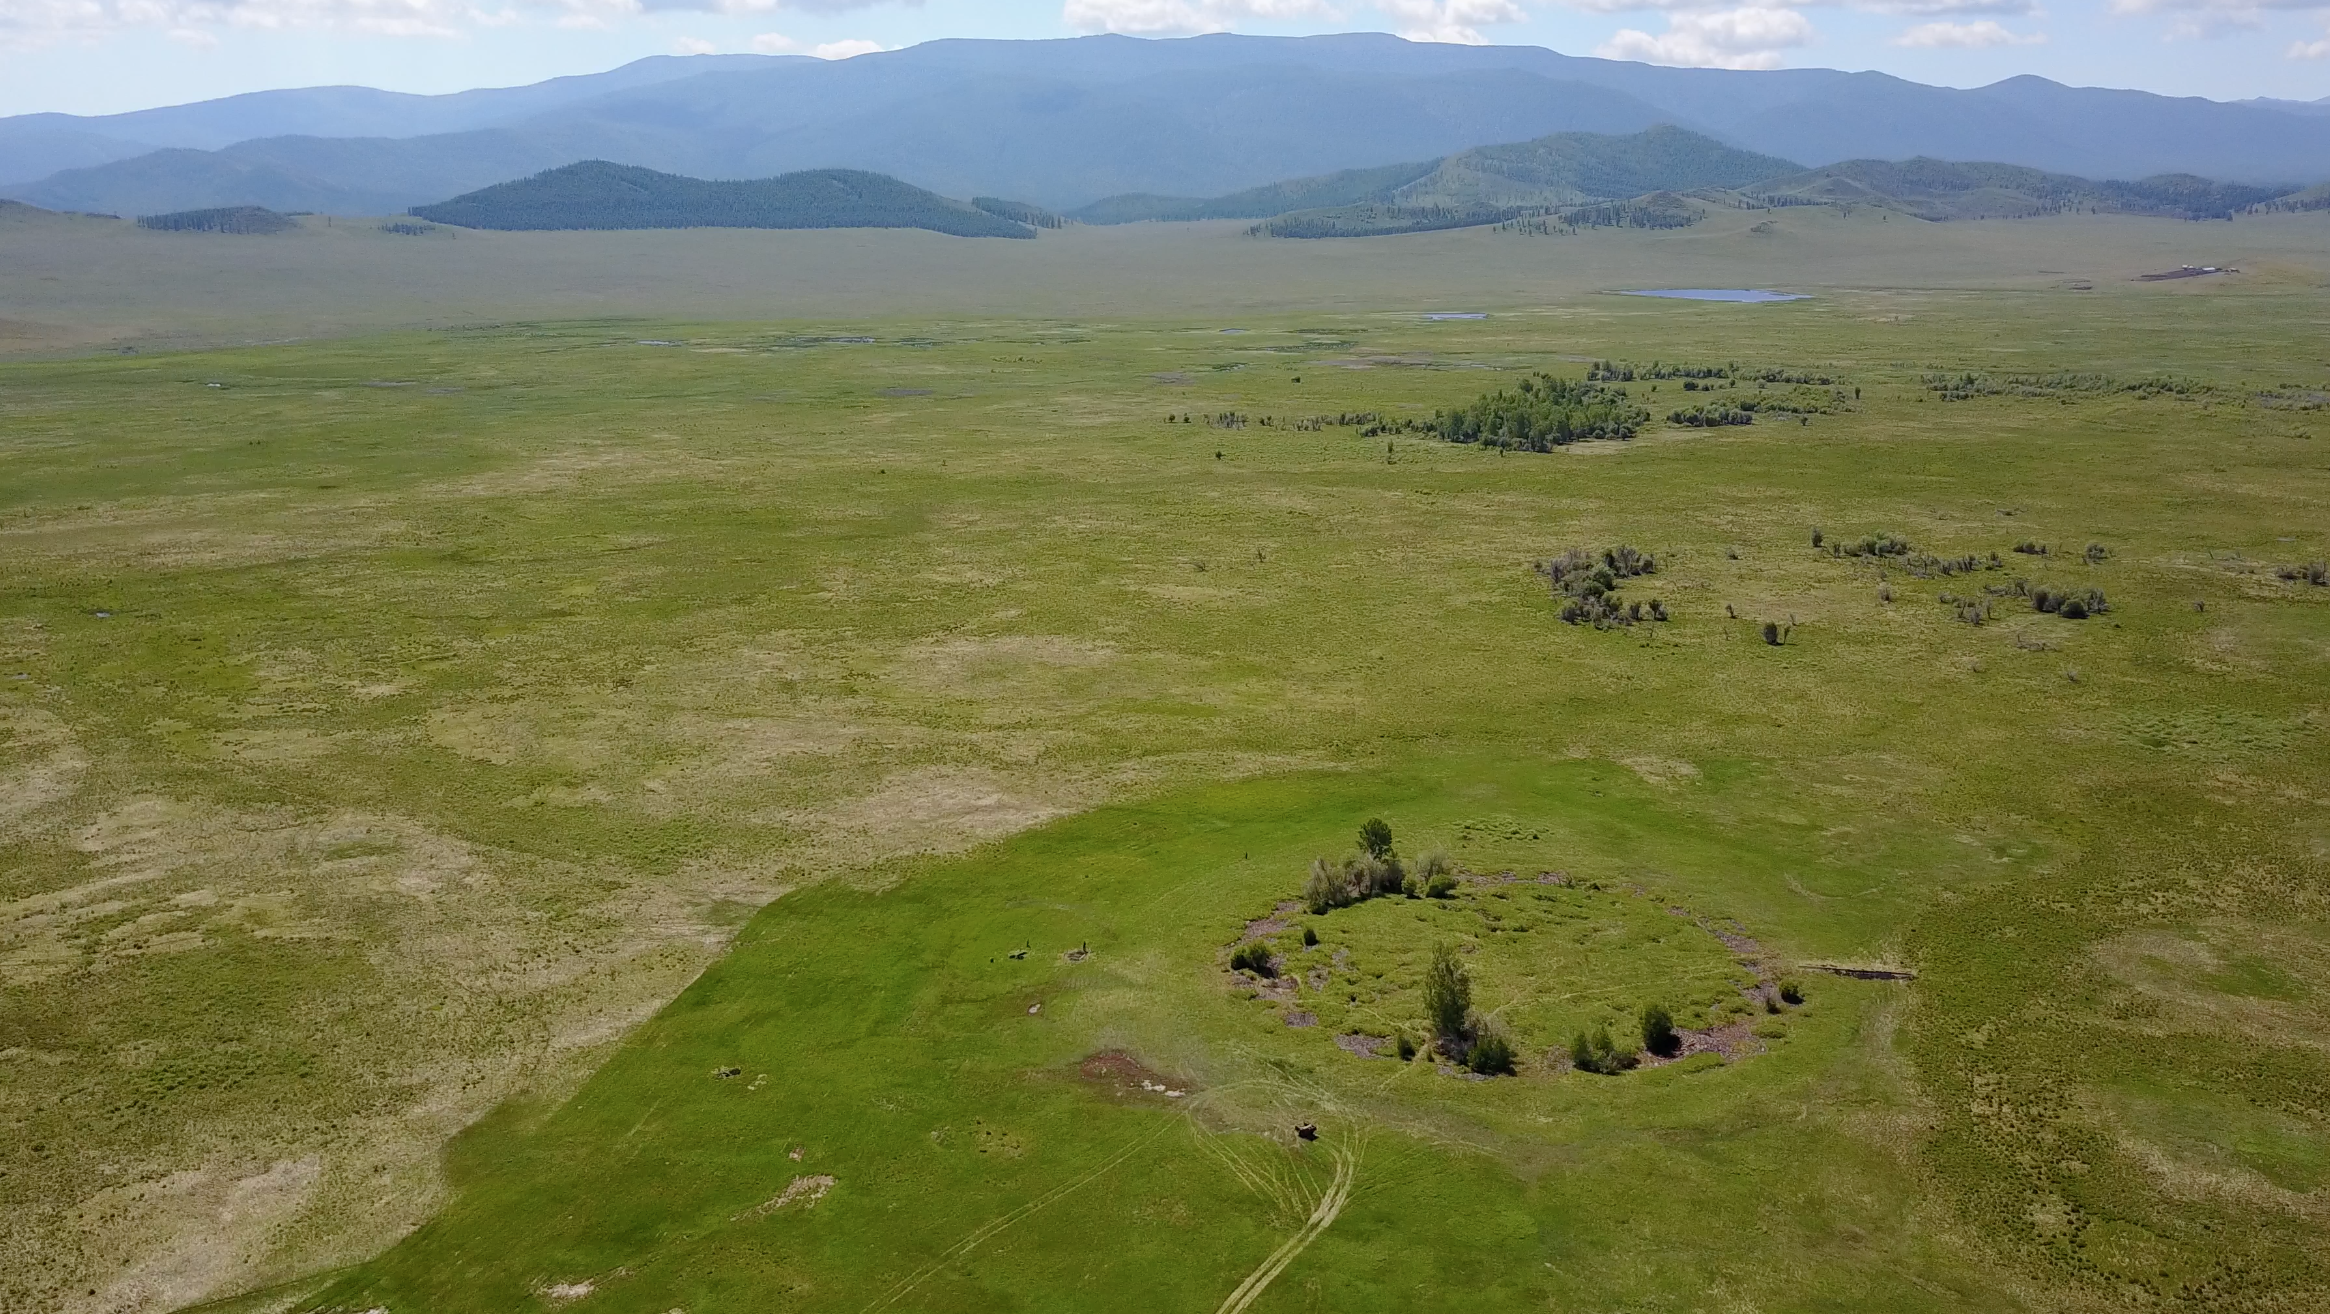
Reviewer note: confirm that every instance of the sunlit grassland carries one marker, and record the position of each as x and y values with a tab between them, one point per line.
456	695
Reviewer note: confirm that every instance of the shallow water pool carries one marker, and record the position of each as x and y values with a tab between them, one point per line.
1717	294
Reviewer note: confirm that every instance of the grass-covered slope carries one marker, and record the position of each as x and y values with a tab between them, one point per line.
597	194
1943	189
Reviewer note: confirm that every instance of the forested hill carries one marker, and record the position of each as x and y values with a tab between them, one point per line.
1942	189
597	194
1565	168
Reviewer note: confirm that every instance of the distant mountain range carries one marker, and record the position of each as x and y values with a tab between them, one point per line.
1065	123
596	194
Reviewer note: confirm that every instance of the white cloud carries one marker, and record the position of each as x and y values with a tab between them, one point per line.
1184	17
1751	36
849	49
34	23
1964	36
1929	8
1457	22
2309	49
774	43
694	46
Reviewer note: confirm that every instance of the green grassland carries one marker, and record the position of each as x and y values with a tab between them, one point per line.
433	757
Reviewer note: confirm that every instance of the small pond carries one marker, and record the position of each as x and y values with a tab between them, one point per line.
1717	294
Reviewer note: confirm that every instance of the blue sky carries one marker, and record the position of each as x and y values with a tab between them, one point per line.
100	56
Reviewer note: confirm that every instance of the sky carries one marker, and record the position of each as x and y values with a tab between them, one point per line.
105	56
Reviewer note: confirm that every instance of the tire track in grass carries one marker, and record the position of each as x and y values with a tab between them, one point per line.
959	1249
1330	1204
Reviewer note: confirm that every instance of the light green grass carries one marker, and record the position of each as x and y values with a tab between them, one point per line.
440	731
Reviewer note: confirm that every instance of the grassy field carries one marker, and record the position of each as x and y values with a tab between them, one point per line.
487	736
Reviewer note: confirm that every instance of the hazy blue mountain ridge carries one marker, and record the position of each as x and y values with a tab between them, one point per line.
1064	123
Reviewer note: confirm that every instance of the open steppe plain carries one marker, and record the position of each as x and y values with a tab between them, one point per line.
525	762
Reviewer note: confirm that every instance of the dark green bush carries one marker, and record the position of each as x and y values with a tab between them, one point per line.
1440	887
1491	1054
1310	937
1253	956
1658	1031
1792	991
1375	837
1598	1053
1447	997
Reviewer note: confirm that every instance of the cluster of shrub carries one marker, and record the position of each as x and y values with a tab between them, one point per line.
1588	586
407	228
1605	371
2313	572
1373	871
1341	419
1872	545
2094	554
2068	604
1542	413
1969	384
1711	415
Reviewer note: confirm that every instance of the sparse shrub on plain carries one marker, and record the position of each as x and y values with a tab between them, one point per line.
2096	552
1772	634
1792	990
1658	1031
2031	549
1375	837
1440	886
2312	572
1405	1046
1253	956
1310	938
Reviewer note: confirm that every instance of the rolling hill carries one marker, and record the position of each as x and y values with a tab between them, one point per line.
596	194
1064	123
1560	169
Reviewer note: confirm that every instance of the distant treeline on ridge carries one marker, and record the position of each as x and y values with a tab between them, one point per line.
247	219
601	195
